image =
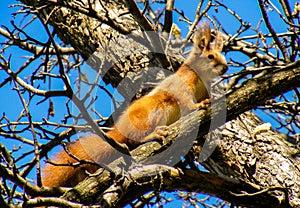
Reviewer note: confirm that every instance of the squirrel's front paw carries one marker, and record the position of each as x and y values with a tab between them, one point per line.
159	134
203	104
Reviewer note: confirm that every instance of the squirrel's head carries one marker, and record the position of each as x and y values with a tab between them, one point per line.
206	57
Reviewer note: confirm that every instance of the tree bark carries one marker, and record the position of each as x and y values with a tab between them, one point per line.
97	41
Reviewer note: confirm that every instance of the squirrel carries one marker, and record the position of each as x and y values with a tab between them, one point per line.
177	95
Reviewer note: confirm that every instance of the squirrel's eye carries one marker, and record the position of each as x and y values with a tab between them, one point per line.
211	56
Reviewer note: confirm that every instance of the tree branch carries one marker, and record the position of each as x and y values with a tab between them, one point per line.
168	17
263	6
164	178
34	48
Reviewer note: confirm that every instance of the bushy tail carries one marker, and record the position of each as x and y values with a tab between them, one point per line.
65	173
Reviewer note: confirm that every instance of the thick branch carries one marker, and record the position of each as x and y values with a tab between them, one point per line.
154	177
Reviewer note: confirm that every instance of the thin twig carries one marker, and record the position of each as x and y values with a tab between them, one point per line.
271	30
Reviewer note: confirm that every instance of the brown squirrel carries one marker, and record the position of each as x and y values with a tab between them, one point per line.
178	94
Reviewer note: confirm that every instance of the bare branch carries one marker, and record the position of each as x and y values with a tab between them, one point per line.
168	16
34	48
263	6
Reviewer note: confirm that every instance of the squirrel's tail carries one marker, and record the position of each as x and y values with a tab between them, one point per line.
64	169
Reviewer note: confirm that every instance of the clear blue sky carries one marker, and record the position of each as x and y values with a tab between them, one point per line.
10	105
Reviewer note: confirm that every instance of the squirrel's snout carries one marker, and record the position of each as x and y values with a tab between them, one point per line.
225	68
221	69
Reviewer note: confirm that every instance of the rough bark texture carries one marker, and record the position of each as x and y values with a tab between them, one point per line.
103	46
259	155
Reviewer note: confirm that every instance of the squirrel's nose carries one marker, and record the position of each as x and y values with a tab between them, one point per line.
222	69
225	68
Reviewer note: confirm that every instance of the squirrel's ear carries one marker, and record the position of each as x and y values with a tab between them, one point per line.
202	36
217	44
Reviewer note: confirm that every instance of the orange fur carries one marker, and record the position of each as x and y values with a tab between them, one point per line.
174	97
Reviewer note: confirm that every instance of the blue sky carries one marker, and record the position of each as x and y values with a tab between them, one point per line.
10	104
